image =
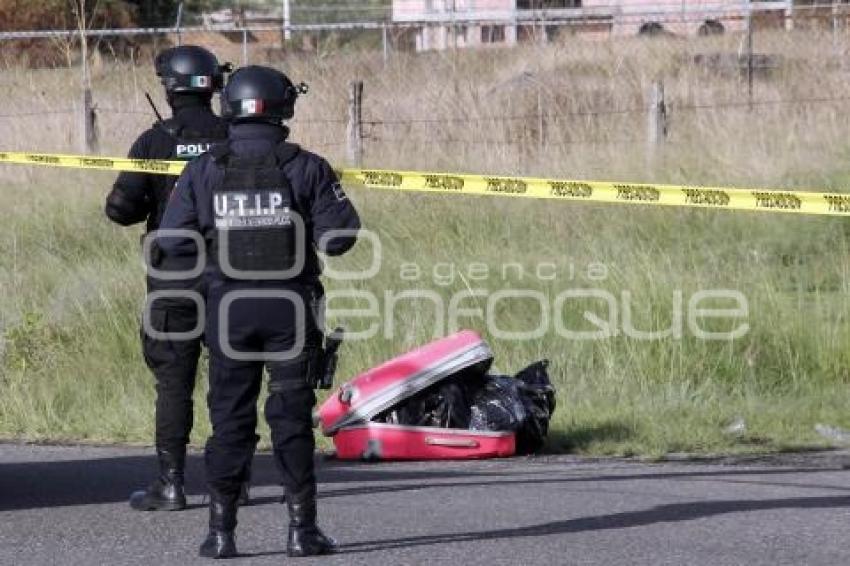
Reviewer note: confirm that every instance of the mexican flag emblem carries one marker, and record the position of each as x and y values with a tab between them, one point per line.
252	106
201	81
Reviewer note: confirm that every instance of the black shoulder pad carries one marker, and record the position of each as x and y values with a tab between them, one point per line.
286	152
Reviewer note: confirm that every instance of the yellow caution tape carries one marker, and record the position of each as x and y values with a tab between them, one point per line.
94	162
801	202
723	198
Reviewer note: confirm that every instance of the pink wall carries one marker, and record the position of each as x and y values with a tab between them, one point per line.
419	9
623	17
684	17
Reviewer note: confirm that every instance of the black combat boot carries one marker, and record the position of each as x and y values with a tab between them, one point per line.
244	495
167	492
305	537
221	540
245	488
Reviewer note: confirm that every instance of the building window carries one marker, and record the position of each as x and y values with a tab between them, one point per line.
441	5
547	4
492	34
460	33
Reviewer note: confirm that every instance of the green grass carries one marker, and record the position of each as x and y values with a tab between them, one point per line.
72	290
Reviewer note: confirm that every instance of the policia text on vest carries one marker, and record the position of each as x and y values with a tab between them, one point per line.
721	198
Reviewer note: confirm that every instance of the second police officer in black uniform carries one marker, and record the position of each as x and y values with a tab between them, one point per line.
190	75
263	207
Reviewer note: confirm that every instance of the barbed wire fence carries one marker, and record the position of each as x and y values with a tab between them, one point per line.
397	130
374	130
359	131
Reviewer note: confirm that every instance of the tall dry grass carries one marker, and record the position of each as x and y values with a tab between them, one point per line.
479	110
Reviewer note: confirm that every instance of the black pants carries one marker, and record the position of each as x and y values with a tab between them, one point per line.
174	365
257	326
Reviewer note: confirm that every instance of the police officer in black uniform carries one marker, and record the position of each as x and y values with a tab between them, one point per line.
190	75
263	206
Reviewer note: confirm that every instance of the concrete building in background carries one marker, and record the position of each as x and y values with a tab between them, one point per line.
499	15
470	23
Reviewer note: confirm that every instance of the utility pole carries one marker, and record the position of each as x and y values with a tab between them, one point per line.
750	70
179	23
386	42
244	47
454	24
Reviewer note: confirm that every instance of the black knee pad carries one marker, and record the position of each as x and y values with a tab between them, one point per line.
292	377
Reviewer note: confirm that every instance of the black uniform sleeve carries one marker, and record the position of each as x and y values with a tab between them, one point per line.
131	200
181	214
335	222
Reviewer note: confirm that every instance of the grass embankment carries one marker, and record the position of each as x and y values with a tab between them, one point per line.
72	283
72	290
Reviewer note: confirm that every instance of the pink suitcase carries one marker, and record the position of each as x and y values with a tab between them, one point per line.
347	414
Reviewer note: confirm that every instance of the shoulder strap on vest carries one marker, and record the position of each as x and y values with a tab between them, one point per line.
172	127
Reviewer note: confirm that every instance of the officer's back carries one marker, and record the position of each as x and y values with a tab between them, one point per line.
263	207
319	202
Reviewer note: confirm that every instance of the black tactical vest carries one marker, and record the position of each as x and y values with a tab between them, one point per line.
260	232
182	142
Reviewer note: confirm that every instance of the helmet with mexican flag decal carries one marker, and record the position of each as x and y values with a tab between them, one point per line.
190	68
256	93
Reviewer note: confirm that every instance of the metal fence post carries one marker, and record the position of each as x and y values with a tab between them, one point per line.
287	31
355	123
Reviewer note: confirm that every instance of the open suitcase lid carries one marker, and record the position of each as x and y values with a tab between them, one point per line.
384	386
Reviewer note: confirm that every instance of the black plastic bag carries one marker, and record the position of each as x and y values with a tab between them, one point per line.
444	405
523	404
538	397
497	405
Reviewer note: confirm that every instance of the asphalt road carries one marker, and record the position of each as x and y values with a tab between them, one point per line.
67	505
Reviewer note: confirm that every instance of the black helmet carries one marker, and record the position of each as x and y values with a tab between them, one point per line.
189	68
262	93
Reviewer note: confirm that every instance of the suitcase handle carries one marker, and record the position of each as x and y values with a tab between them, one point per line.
345	395
451	443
